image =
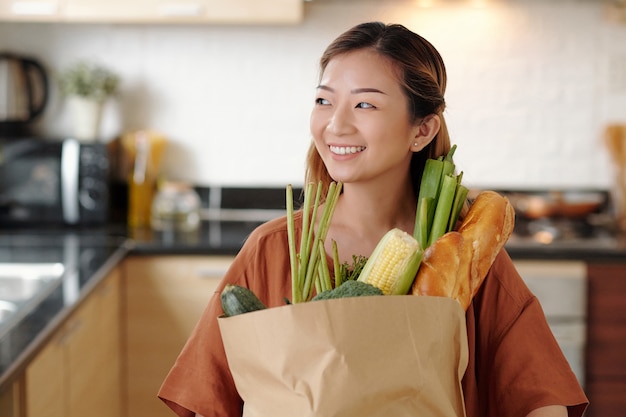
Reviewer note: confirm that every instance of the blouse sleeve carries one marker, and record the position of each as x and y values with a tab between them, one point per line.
200	380
519	364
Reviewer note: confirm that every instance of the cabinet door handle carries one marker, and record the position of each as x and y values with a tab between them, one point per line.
105	290
69	330
208	272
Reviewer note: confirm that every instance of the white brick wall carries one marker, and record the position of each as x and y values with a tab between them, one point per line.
531	86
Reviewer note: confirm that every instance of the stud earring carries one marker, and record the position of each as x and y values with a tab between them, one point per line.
415	144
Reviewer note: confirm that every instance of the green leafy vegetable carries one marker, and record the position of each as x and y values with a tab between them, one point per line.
349	288
440	200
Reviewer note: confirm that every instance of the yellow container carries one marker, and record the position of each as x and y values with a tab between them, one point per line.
615	137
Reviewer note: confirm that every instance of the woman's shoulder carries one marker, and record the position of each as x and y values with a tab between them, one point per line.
505	274
263	263
274	226
504	290
274	230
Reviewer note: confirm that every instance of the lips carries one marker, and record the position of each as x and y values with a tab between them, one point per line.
346	150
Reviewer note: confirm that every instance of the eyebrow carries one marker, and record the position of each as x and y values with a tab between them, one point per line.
354	91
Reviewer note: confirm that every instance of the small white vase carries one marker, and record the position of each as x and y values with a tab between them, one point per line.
86	116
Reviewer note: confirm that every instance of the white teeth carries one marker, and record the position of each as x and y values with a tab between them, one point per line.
346	150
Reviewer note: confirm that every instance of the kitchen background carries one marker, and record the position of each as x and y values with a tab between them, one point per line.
532	85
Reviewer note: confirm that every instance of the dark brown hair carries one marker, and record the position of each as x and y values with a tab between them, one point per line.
422	75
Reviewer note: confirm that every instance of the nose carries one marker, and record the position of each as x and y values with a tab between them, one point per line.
341	122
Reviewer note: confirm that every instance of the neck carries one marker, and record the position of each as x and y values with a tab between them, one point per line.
377	208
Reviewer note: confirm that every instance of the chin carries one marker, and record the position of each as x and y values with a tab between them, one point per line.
338	177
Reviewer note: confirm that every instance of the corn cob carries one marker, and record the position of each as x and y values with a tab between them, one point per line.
394	263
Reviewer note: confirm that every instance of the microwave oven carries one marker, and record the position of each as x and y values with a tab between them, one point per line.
49	181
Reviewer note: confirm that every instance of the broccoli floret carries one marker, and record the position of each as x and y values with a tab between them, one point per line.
349	289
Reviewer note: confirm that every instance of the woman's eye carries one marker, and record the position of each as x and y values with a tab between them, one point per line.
364	105
321	101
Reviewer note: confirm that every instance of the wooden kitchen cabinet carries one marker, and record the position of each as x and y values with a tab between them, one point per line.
255	11
30	11
164	298
135	11
78	372
606	341
11	399
47	380
192	11
155	11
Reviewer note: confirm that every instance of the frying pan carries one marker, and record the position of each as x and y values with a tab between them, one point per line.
567	204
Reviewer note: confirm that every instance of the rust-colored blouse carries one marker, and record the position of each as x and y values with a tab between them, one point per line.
515	364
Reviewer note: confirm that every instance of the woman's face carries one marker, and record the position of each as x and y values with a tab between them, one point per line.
360	122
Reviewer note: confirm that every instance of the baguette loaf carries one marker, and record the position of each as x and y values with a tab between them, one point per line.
456	264
440	272
488	225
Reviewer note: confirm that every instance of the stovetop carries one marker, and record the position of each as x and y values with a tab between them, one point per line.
554	230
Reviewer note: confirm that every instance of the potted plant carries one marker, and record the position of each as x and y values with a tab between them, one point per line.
87	85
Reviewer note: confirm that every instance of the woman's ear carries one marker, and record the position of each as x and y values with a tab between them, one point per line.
426	131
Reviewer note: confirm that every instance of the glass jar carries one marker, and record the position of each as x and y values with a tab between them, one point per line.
176	207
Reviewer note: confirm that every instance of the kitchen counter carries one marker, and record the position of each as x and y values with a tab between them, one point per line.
606	248
89	254
86	256
226	237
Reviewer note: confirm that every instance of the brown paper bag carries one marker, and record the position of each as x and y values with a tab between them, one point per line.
380	356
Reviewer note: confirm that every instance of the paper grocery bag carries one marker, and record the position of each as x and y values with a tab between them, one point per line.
377	356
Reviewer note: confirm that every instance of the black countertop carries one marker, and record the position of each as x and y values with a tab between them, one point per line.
226	237
88	254
86	257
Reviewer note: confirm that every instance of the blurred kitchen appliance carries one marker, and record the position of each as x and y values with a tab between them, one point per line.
560	216
45	181
561	287
23	93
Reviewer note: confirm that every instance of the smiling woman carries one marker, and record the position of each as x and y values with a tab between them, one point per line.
360	115
377	118
361	87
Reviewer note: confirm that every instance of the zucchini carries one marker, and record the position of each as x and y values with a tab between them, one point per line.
238	300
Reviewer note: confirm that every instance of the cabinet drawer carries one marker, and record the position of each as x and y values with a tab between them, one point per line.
30	10
605	349
606	397
607	291
155	11
165	297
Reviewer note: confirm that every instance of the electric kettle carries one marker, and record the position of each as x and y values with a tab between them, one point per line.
23	92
